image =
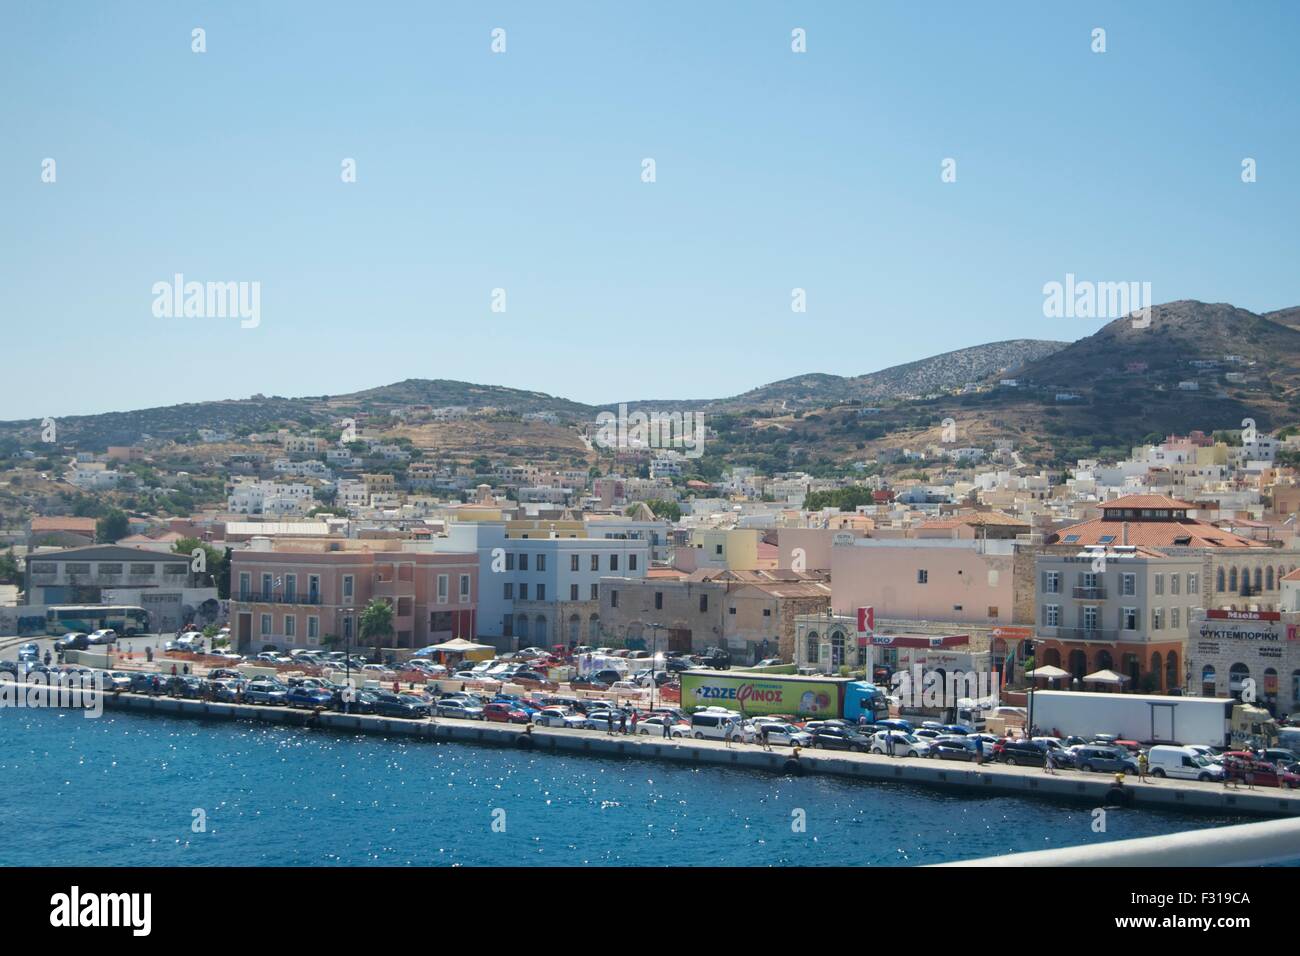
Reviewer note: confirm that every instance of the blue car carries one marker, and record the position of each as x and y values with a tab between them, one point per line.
895	724
308	697
264	692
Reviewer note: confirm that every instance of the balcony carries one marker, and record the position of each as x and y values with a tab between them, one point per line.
256	597
1089	594
1108	635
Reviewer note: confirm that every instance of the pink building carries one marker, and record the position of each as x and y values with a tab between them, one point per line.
296	593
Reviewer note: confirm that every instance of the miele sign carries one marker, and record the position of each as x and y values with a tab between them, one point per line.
1221	615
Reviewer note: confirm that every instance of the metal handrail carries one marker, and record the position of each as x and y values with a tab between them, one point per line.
1246	844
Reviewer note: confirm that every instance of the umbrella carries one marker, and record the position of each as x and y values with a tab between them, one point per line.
1107	677
1048	671
456	645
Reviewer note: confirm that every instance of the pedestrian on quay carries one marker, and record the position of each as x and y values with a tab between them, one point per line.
1049	762
609	723
766	730
173	670
622	722
668	727
889	742
634	719
47	657
148	654
185	669
1142	767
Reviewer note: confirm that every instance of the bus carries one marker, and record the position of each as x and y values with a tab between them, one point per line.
128	621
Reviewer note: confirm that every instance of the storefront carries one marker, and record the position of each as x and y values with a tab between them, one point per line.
1250	655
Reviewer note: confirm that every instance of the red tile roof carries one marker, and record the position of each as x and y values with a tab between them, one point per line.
1157	534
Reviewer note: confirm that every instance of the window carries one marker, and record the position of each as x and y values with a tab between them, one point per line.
313	629
1174	583
613	562
1173	618
541	592
523	562
1129	618
595	592
541	562
245	585
266	624
1159	580
291	588
631	562
767	612
1157	618
347	588
659	600
717	549
1051	615
1193	585
922	576
442	589
1089	622
613	598
266	587
573	592
993	610
290	625
523	591
573	562
704	602
509	591
732	609
1128	584
1051	582
595	562
508	625
510	560
313	588
464	589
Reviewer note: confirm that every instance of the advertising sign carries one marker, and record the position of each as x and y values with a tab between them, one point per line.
866	620
749	694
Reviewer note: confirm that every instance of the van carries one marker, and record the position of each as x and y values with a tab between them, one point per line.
1181	763
720	725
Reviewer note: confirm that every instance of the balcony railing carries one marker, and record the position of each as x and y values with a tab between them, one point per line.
257	597
1086	634
1090	594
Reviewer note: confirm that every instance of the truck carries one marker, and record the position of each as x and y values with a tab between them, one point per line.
753	694
1147	718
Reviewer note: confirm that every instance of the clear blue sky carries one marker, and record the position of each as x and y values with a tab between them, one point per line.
522	171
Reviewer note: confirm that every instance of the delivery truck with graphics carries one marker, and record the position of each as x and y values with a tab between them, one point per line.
1148	718
753	694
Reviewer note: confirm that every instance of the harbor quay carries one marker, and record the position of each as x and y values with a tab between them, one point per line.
1094	790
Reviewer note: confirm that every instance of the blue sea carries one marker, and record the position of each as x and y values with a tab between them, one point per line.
126	789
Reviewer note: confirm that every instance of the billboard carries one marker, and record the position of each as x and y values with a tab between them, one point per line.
755	695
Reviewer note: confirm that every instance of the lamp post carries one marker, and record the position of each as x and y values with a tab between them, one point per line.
654	657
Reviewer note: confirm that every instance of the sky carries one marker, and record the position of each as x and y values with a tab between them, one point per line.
522	170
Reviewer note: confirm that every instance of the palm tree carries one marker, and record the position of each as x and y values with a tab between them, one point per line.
376	622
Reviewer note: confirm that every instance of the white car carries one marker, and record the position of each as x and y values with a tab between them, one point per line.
624	685
905	745
559	717
105	635
459	708
654	727
779	732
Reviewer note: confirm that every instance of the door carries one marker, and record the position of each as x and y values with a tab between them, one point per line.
1162	722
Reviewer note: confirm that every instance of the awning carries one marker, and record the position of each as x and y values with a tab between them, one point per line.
1048	671
1106	677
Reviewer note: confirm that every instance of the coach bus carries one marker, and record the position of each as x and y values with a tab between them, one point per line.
125	619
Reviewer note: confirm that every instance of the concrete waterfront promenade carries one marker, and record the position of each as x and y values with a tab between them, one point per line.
1076	787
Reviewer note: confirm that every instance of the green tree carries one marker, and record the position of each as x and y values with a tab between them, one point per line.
376	622
8	568
113	527
213	561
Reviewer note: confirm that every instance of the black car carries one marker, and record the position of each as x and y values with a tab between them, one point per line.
953	748
362	702
1023	753
12	667
837	737
191	688
75	641
677	664
142	683
400	705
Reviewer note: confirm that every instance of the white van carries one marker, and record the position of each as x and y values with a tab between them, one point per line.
720	725
1182	763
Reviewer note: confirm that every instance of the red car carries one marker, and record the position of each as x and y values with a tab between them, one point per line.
1238	763
504	714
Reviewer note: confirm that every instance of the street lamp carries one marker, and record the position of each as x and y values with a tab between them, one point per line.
654	657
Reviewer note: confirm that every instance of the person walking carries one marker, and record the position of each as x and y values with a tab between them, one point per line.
668	727
173	670
1049	762
635	715
1142	767
766	731
622	722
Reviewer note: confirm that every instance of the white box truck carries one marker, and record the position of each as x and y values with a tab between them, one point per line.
1146	718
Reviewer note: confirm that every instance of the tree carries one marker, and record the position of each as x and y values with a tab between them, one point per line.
8	568
113	527
213	562
376	622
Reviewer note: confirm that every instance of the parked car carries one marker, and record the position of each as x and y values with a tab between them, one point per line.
1182	763
832	737
720	724
117	680
1089	758
559	717
785	734
904	745
1281	756
1241	765
452	707
29	652
502	713
401	705
1025	753
955	747
305	695
191	688
654	726
105	635
265	692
